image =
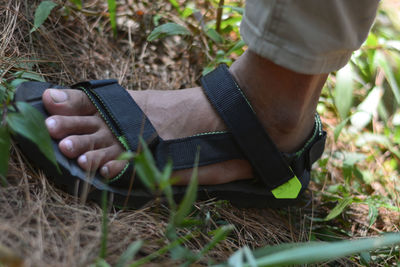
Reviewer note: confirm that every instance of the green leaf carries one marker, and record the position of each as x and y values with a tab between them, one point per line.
165	185
250	257
390	77
181	253
145	172
314	252
239	10
29	122
344	90
190	196
2	93
112	9
367	109
373	213
5	145
207	70
146	167
269	250
219	235
365	258
238	45
230	23
236	259
215	36
129	253
351	158
189	222
167	29
338	209
339	128
16	82
189	10
176	5
28	75
6	92
78	3
126	156
100	263
41	13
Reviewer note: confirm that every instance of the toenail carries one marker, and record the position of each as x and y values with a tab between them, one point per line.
104	171
58	96
82	159
51	123
68	144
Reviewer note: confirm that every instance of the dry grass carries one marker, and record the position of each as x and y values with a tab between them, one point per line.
46	227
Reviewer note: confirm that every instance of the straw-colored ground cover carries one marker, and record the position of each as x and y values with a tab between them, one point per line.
43	226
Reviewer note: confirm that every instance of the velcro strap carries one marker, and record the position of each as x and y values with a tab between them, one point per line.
117	105
231	104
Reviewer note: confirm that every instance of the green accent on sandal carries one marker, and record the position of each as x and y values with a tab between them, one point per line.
289	190
123	141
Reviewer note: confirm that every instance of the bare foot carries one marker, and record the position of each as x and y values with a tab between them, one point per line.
284	102
174	114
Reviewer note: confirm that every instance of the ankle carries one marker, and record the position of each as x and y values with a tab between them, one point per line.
284	101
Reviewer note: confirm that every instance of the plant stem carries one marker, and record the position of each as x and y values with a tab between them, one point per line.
219	15
104	226
163	250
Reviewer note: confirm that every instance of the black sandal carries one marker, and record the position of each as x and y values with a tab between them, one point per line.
280	177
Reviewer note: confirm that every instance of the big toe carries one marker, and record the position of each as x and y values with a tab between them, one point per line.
69	102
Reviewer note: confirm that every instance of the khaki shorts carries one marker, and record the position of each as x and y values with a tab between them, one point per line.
307	36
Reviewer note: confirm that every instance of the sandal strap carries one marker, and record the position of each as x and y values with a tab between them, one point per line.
233	107
125	118
212	148
121	113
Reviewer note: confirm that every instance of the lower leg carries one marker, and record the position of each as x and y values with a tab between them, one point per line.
284	101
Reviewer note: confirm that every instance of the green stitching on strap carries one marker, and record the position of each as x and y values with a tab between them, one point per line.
119	174
124	143
121	138
317	130
290	189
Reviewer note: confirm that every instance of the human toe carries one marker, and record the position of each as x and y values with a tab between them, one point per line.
92	160
112	168
62	126
67	102
75	145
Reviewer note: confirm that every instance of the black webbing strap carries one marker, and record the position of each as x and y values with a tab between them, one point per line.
212	148
119	106
229	101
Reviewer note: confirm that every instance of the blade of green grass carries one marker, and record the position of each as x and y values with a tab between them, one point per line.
5	144
338	209
390	77
104	225
314	252
129	253
190	196
112	9
219	235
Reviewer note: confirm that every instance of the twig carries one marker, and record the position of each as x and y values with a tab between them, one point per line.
219	15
